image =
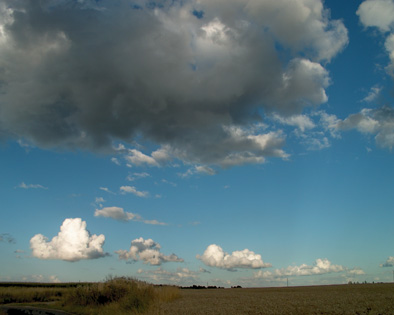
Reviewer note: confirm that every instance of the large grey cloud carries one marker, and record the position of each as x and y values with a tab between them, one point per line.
192	77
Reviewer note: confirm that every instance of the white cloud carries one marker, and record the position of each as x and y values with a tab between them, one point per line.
373	94
320	267
302	122
31	186
147	251
115	160
134	191
389	262
138	158
356	271
72	243
380	14
119	214
107	190
135	176
377	13
198	169
181	276
214	256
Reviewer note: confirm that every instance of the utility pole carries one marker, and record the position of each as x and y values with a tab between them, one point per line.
288	279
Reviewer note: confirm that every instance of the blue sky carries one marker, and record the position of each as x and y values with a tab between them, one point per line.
245	144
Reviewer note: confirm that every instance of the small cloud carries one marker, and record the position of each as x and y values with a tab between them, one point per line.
72	243
168	182
7	238
214	256
115	161
389	262
147	251
356	271
31	186
373	94
136	176
119	214
107	190
198	169
134	191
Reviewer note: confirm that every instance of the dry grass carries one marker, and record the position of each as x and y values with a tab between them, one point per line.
344	299
114	296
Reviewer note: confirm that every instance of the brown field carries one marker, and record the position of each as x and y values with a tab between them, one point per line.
133	297
340	299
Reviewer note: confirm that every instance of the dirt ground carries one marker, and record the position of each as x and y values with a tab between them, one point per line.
343	299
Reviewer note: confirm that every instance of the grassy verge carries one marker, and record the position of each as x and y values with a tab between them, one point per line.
114	296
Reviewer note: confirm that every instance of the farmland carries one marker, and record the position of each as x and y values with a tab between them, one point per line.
123	297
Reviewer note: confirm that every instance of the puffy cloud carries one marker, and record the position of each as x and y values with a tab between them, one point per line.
320	267
377	13
389	262
121	215
380	14
134	191
214	256
177	80
147	251
72	243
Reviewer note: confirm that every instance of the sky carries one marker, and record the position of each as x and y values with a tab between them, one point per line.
207	142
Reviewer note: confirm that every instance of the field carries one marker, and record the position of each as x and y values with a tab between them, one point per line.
112	298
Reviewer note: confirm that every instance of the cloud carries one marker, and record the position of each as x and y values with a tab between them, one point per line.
147	251
136	176
389	262
134	191
214	256
378	122
302	122
320	267
192	86
7	238
31	186
72	243
373	94
107	190
377	13
356	271
119	214
180	276
380	14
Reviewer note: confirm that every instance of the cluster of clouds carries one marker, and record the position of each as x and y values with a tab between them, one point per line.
197	85
148	251
74	243
320	267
